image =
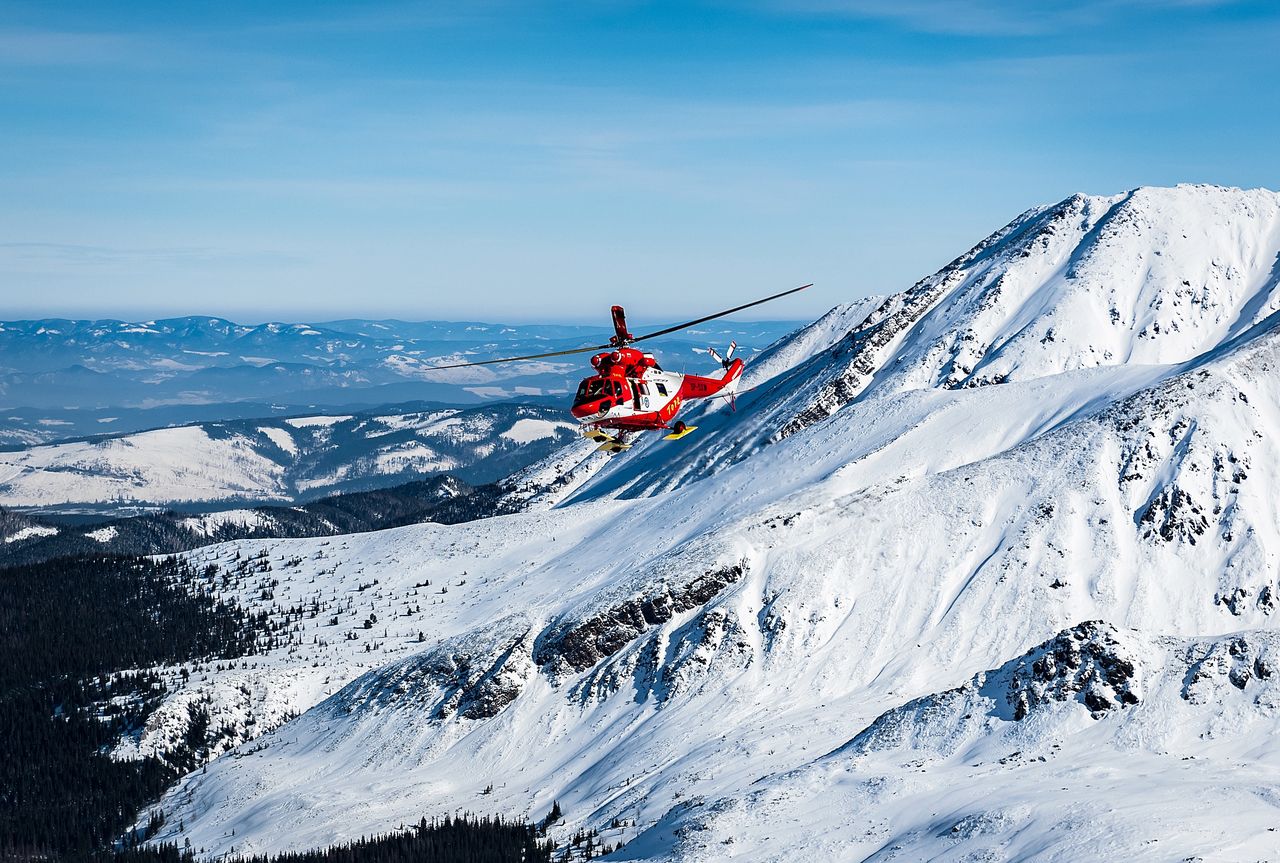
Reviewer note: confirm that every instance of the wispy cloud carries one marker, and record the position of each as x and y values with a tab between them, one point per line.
384	17
350	190
517	116
34	47
644	122
476	147
394	144
92	256
987	17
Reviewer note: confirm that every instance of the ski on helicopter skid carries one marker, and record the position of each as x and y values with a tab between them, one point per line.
630	392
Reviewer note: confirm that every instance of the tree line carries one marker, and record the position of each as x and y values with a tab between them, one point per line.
78	639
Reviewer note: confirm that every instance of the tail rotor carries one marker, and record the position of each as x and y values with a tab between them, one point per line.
724	361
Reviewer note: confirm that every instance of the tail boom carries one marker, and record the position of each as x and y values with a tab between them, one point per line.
699	387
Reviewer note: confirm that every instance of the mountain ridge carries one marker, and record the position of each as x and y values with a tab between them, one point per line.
279	460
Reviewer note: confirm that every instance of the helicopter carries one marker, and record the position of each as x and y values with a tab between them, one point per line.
630	392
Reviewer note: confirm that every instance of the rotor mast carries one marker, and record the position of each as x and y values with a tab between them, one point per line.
621	336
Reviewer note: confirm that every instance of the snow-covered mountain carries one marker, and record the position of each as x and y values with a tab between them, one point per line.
275	460
983	570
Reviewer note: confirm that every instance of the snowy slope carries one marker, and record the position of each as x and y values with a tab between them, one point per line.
1151	277
812	641
281	459
1006	767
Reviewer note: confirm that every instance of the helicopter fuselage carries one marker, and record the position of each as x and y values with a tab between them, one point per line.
631	392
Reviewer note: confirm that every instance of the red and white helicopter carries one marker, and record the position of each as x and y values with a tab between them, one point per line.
630	392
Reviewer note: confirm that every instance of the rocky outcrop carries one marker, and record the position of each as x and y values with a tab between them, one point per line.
578	644
867	344
864	346
1240	661
473	677
1085	663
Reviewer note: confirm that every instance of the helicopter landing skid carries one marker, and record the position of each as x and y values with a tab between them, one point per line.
608	443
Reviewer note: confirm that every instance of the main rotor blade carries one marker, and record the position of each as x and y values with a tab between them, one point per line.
518	359
610	347
718	314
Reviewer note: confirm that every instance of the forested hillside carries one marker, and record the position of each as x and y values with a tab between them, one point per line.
73	635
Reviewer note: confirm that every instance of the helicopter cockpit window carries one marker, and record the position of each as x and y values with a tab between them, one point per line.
590	390
662	389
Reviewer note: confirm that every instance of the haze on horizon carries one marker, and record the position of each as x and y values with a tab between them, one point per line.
528	161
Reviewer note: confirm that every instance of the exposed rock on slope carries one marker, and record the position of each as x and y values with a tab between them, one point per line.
574	645
1087	664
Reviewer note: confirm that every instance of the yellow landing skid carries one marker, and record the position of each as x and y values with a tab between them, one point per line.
678	435
608	443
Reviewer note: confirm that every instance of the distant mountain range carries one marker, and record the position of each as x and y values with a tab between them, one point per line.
543	479
62	378
28	538
292	460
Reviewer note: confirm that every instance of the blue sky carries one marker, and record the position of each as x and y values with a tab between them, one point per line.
539	161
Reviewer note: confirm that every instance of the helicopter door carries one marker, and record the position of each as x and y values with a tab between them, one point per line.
641	391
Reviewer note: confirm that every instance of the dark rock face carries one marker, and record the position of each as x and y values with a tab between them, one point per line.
1160	437
479	675
482	691
883	325
1267	599
464	678
1241	661
579	645
1084	663
864	345
1173	514
1236	601
712	636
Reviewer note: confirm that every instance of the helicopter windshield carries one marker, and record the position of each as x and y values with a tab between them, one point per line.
596	388
590	390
